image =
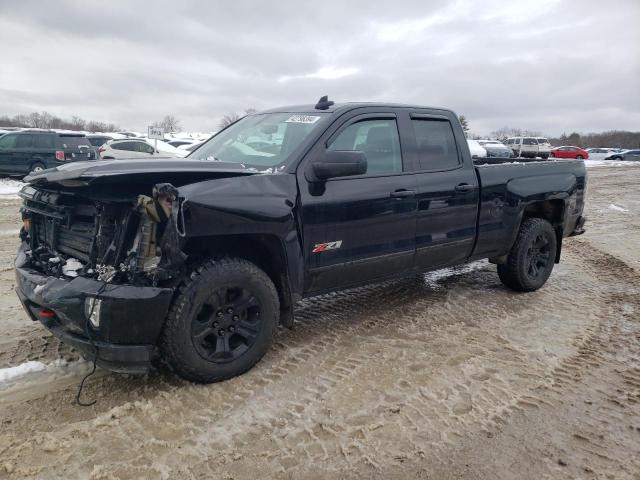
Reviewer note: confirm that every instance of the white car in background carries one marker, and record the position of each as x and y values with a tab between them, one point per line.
191	147
477	151
599	153
138	148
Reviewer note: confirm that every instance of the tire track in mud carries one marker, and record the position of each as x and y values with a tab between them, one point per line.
291	408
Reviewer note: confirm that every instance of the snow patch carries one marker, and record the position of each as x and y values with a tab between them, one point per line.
433	277
11	373
71	267
32	372
610	163
9	188
618	209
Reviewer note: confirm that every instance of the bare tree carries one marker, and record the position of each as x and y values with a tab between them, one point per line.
228	119
465	124
170	124
77	123
250	111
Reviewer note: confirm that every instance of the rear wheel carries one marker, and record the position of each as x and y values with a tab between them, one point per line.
531	258
222	322
37	167
545	156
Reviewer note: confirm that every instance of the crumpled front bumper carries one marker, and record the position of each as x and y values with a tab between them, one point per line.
131	317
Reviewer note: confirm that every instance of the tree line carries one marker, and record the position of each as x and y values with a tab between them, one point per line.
47	120
610	138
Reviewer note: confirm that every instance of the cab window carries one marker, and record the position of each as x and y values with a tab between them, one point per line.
436	144
377	139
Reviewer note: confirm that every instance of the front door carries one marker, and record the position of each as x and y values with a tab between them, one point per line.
361	228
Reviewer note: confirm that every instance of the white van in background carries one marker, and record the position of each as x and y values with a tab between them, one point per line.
529	147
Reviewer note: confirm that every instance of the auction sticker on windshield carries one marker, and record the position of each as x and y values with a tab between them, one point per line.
303	119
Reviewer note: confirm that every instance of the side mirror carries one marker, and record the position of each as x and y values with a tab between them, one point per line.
339	163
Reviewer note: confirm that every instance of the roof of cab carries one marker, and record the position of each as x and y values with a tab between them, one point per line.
343	107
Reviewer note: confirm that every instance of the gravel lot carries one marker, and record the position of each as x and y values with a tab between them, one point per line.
429	377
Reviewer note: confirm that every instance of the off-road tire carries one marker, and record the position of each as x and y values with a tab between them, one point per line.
516	273
177	347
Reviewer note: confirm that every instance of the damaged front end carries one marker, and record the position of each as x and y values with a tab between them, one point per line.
99	271
132	241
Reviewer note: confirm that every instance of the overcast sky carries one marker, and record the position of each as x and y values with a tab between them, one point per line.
550	65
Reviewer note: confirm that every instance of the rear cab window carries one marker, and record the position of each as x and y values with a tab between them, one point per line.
435	143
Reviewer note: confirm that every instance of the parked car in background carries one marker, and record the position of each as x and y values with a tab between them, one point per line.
179	142
625	155
99	139
137	148
192	147
529	147
544	142
477	150
569	152
599	153
35	150
495	148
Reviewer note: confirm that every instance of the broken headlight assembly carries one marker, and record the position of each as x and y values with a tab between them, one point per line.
92	308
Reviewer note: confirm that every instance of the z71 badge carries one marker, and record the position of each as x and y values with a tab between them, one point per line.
323	247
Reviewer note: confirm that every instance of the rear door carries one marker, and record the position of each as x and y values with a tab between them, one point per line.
361	228
447	190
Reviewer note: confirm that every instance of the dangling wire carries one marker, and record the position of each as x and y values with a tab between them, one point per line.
87	329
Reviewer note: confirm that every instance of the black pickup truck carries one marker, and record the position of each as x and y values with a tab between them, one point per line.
194	261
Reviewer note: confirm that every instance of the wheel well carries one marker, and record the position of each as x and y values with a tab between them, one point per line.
265	251
553	212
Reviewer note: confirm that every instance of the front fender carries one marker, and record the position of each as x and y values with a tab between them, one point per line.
248	205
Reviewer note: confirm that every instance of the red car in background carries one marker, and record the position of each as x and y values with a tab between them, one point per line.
569	152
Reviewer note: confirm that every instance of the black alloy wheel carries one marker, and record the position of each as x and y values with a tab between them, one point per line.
538	255
227	325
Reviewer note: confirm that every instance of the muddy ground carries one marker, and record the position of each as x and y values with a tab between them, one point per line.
428	377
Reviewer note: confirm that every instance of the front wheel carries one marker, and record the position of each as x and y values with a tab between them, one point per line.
222	321
531	258
579	157
545	157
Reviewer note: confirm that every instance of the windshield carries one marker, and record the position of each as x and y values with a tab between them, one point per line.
543	141
260	141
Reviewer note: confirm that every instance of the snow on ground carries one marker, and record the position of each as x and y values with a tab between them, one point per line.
12	373
610	163
31	378
9	188
618	208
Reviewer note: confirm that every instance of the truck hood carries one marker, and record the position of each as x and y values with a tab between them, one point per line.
176	171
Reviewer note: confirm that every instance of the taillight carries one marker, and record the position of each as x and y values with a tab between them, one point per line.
60	156
100	150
